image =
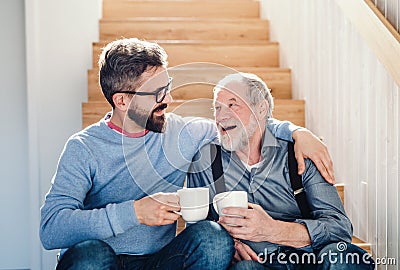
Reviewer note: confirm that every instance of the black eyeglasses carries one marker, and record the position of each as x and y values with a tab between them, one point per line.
160	93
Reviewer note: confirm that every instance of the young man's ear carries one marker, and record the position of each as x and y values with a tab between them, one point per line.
121	101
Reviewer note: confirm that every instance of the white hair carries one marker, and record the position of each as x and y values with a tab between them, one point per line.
257	90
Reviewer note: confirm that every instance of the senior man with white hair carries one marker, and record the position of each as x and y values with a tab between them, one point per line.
284	227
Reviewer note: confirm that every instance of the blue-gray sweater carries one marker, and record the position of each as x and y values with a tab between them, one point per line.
101	173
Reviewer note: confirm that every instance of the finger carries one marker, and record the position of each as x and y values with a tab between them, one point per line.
242	252
322	170
236	241
171	208
327	161
226	227
333	178
234	230
237	257
235	211
252	205
236	221
171	216
301	166
250	252
172	198
166	198
164	221
243	236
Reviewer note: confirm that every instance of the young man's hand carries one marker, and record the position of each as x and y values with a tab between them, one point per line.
157	209
307	145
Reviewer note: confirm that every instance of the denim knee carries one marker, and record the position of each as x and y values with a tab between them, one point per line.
91	254
247	265
213	240
345	256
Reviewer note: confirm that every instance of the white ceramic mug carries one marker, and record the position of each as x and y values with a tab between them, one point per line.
233	198
194	203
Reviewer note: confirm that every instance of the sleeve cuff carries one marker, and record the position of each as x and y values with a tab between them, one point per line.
122	216
318	233
282	129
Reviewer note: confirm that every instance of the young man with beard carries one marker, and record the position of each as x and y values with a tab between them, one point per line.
272	233
112	203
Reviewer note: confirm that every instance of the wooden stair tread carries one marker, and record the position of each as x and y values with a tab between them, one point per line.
179	19
292	110
365	246
234	54
186	42
192	8
189	81
340	189
185	28
289	109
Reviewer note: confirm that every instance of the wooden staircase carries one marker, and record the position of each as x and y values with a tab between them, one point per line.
204	40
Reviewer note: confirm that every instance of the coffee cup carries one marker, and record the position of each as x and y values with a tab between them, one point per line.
233	198
194	203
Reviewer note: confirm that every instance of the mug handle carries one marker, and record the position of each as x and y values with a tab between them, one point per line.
178	213
215	204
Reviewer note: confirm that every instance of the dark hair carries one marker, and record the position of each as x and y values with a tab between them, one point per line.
122	62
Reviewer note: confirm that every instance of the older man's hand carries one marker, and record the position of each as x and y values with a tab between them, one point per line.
244	252
253	224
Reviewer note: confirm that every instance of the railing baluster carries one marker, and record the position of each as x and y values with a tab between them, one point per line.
390	10
398	17
386	9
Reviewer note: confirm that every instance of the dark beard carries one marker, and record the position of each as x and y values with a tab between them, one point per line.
152	123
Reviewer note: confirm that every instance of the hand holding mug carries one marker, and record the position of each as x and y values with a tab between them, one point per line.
157	209
254	225
234	198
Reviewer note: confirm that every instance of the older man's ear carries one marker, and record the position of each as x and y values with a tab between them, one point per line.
263	109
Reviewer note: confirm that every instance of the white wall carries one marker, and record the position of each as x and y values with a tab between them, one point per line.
14	193
351	102
59	38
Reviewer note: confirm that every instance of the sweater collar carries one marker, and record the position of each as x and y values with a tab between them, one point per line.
123	132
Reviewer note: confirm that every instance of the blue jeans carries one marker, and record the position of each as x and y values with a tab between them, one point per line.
329	257
204	245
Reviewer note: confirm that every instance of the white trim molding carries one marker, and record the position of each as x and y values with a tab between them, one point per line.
32	54
381	41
